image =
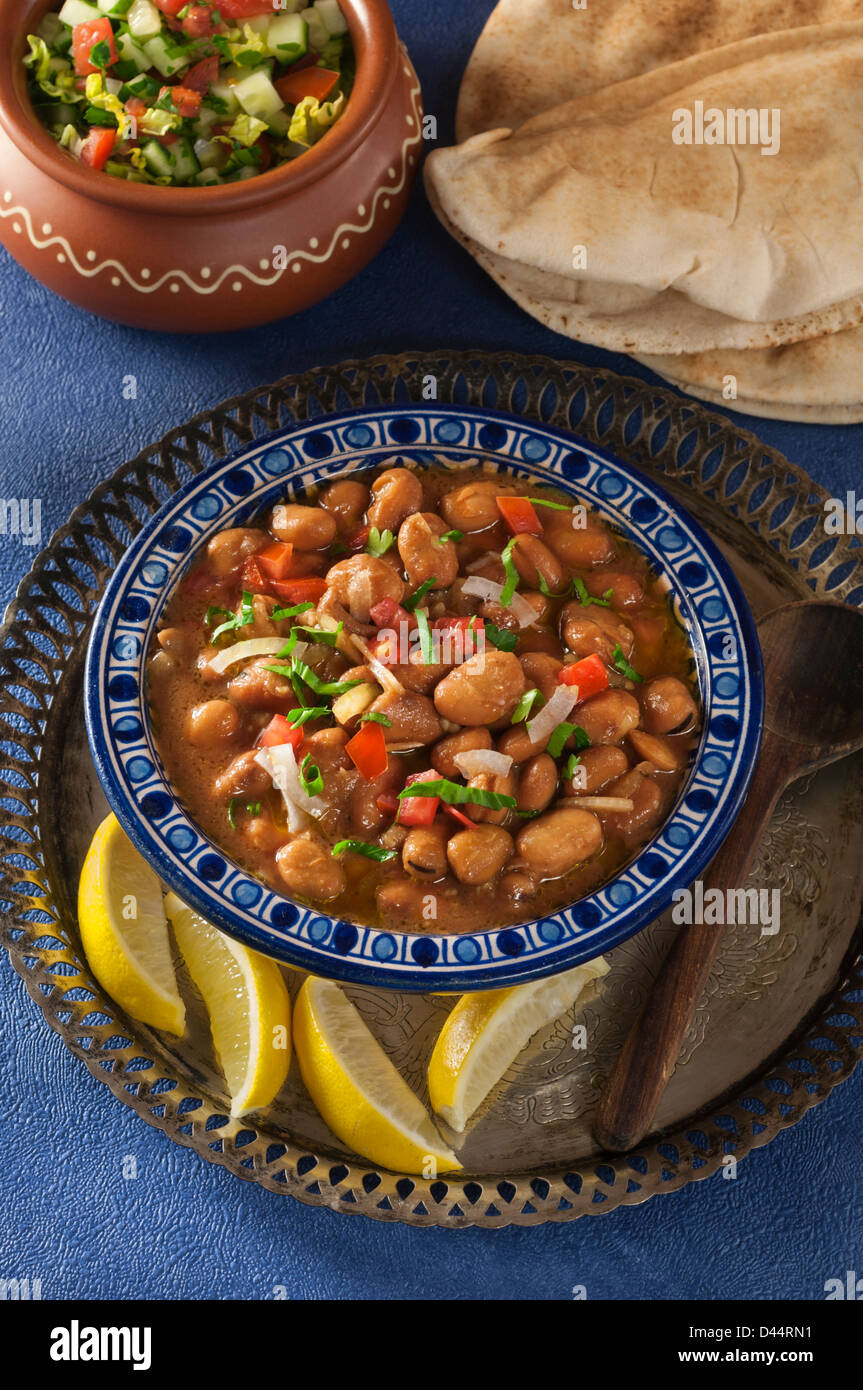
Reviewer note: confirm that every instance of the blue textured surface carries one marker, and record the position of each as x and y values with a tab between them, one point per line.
184	1229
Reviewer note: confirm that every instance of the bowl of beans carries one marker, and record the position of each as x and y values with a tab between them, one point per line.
435	698
196	167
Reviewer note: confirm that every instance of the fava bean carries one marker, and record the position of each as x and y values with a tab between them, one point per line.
667	705
212	724
444	753
537	783
559	840
486	688
424	853
609	716
346	500
396	493
424	555
227	550
472	507
476	855
308	868
308	528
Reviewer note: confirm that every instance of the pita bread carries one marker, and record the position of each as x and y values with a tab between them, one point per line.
536	54
817	382
689	247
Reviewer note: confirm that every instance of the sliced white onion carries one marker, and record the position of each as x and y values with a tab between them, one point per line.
280	763
488	589
475	761
540	729
605	803
481	560
253	646
382	674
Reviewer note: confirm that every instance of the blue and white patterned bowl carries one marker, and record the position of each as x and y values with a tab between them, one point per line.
705	595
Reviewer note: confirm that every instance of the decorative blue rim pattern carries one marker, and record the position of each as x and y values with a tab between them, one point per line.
706	598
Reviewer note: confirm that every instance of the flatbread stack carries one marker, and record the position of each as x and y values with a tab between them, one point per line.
592	187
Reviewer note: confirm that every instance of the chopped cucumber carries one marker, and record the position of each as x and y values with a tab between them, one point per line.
142	86
54	32
185	160
332	16
79	12
144	20
211	154
159	159
207	176
224	90
257	96
117	7
288	37
132	52
166	56
204	122
319	34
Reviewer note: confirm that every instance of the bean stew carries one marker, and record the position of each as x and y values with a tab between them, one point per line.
432	699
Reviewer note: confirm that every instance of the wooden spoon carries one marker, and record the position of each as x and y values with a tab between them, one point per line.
813	673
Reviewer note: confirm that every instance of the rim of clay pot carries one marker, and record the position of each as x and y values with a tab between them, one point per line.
373	36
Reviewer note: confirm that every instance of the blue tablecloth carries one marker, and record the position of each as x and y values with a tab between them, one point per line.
185	1229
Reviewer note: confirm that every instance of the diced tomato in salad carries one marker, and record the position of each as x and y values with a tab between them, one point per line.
367	750
98	146
590	675
295	86
170	7
202	75
419	810
242	9
275	560
198	23
279	731
520	515
388	613
253	577
187	101
85	38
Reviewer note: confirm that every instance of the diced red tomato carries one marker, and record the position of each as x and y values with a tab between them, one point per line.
202	75
279	731
170	7
252	576
462	640
136	107
169	138
385	649
85	37
198	22
200	581
275	560
388	804
308	82
242	9
187	101
519	515
367	750
98	146
419	810
298	590
388	613
463	624
461	817
590	675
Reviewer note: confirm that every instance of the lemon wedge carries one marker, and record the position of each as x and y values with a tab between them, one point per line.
485	1033
124	931
248	1004
356	1088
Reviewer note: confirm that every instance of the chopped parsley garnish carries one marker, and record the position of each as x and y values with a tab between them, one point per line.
556	506
525	705
571	764
419	594
586	599
561	734
305	673
500	637
544	589
279	614
231	822
299	717
425	636
360	847
450	536
620	663
100	55
253	808
456	795
372	716
310	777
245	616
379	542
511	572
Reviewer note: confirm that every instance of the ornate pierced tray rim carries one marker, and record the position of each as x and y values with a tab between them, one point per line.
44	956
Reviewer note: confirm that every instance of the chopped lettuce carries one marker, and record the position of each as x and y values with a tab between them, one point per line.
97	95
311	119
246	129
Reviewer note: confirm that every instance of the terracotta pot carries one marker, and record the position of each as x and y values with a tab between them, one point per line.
211	259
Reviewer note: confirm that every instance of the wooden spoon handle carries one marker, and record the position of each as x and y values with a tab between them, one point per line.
634	1089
